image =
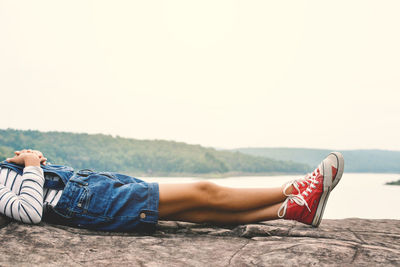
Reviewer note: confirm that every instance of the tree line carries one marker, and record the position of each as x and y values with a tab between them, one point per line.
140	157
367	160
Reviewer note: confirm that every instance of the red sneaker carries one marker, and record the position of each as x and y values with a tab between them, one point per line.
335	159
309	205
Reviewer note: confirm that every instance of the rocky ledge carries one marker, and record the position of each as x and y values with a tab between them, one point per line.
278	243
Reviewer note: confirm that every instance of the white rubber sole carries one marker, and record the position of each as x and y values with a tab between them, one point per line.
324	196
340	168
328	185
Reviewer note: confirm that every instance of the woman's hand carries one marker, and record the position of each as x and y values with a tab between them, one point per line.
37	152
26	159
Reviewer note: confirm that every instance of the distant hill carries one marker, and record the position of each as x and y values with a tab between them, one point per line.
378	161
139	157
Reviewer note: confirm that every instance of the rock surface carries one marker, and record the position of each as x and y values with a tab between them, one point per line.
278	243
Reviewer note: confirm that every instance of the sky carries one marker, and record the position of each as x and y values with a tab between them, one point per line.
225	74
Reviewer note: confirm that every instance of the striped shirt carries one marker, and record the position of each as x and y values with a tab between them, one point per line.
22	197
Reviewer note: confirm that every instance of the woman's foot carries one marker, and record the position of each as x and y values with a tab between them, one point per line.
307	206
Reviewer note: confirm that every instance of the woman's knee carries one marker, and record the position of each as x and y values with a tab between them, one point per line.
210	192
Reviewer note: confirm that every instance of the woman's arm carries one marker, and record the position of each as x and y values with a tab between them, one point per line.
27	206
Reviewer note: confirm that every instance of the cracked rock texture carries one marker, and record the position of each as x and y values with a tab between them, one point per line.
277	243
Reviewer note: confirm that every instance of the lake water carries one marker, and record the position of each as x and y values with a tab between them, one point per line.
361	195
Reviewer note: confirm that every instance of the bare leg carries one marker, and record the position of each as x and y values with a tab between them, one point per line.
226	217
176	198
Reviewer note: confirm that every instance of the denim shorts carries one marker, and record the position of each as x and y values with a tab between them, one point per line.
107	201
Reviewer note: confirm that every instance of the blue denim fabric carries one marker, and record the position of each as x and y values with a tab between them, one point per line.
64	172
107	201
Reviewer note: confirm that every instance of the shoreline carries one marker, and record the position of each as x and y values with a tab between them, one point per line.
239	174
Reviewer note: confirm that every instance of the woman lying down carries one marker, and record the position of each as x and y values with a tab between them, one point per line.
31	190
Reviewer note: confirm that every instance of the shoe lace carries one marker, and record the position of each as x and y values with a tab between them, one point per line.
312	180
308	180
299	199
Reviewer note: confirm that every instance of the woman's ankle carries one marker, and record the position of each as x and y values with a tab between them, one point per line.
288	189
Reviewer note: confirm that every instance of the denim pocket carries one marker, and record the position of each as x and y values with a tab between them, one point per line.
78	204
84	199
90	204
